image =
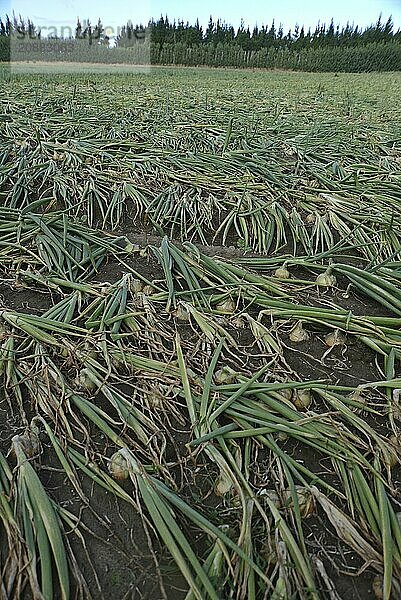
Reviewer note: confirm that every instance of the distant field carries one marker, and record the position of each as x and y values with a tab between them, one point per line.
41	67
200	348
67	67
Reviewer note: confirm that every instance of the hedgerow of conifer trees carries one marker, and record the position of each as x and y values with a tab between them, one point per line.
326	48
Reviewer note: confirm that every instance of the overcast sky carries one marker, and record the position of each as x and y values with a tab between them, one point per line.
287	12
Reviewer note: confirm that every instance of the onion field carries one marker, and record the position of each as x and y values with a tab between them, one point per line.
200	335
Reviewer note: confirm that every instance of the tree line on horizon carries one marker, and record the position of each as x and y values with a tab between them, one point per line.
161	41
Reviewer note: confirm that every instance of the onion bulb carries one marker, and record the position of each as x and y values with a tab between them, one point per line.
181	313
148	290
335	338
377	586
84	380
225	375
306	501
223	484
282	272
118	467
301	399
326	279
155	398
226	306
131	248
298	333
272	496
29	441
136	286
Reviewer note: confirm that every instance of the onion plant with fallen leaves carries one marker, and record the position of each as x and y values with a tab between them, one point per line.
258	179
279	459
178	348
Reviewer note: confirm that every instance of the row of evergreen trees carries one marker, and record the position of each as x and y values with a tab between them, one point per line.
165	32
326	48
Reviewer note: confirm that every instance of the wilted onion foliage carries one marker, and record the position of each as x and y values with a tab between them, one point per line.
274	355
